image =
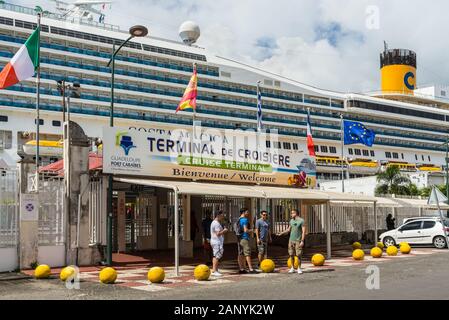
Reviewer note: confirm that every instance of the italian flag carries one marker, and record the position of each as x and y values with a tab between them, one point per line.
24	63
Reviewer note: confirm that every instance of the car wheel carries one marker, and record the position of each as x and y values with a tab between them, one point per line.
439	242
389	241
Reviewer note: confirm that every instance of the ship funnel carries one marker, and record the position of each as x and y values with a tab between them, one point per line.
398	71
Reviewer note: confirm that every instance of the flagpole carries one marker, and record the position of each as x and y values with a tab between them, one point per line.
342	155
38	84
259	120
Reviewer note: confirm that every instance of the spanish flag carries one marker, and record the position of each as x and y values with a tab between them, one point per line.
189	98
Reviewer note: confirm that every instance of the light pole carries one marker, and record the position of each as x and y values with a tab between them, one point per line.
135	31
447	171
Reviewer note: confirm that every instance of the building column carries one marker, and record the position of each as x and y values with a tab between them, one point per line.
328	232
121	221
186	245
28	247
78	249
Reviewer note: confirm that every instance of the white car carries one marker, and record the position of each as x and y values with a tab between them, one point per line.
418	231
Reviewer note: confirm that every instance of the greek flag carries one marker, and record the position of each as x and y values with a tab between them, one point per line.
259	109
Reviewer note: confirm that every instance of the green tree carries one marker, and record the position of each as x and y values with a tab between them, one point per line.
425	192
392	181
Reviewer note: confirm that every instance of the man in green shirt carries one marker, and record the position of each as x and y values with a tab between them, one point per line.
297	231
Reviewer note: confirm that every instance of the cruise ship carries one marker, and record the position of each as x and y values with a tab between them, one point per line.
411	124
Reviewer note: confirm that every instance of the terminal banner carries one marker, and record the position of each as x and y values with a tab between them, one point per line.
211	154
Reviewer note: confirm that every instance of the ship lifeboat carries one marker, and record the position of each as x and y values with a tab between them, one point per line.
363	166
429	168
46	148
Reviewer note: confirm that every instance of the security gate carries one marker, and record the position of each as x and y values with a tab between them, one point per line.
9	212
51	230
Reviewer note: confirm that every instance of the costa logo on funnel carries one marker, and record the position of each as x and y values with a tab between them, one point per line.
407	77
124	141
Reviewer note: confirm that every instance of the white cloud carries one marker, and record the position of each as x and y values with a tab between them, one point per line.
346	61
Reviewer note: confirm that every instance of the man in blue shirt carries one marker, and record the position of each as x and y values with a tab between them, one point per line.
263	235
244	248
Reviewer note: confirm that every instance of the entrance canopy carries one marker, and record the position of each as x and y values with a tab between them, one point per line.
200	188
392	203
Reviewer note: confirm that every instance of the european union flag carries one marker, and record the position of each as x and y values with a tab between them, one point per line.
355	132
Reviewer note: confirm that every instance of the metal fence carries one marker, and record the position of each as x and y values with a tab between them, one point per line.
51	210
281	214
96	211
9	208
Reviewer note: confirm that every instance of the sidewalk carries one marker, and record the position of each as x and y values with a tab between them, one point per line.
132	273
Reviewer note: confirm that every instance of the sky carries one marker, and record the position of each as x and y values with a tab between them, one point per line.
330	44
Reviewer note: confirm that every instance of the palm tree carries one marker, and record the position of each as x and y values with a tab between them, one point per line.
392	181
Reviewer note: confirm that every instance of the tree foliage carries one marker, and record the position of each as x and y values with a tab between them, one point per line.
392	181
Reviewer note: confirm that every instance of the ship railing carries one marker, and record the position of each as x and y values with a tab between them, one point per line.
56	16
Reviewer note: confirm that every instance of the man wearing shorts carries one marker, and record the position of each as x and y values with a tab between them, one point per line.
244	249
296	242
217	241
263	235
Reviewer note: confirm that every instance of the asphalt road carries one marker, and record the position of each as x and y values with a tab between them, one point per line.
423	277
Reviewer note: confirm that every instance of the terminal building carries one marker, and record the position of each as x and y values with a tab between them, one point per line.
70	224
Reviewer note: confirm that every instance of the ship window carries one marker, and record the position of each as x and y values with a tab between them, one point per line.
324	149
395	155
388	154
402	155
41	121
7	21
295	146
357	152
351	152
372	153
3	118
422	157
397	110
56	123
365	153
316	148
443	93
287	145
429	158
268	143
332	150
416	157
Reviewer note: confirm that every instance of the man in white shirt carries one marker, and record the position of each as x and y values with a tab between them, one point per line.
216	241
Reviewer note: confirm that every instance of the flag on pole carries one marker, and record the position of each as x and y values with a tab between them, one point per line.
356	132
259	109
189	98
310	144
24	63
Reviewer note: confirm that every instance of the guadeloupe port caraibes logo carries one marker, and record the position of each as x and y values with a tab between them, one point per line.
123	140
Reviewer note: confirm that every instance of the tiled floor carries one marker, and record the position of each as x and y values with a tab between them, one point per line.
137	278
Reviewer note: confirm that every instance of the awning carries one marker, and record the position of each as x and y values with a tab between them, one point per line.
390	203
419	203
95	163
197	188
200	188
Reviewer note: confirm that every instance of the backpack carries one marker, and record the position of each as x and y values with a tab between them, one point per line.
237	229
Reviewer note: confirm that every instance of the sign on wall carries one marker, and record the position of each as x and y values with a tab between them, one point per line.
208	154
29	207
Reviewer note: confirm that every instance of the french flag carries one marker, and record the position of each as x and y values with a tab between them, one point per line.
310	144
